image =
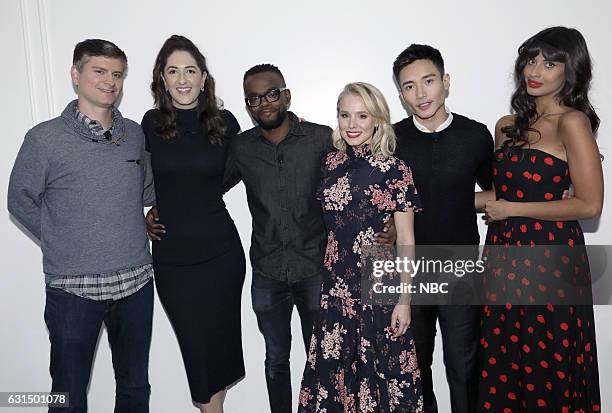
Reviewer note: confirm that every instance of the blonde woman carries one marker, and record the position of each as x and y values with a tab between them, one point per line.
361	357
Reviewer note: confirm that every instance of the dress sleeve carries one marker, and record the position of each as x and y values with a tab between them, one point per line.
148	197
146	125
401	188
231	174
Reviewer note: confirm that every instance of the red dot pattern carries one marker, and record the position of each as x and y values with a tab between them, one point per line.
536	358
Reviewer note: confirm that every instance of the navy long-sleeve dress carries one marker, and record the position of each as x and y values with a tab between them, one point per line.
199	263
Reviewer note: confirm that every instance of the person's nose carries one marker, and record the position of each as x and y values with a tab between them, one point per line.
352	122
110	78
535	71
420	91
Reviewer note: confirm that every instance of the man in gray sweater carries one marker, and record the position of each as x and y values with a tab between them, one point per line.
79	185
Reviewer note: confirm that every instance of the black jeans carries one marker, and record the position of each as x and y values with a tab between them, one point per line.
460	326
74	326
273	303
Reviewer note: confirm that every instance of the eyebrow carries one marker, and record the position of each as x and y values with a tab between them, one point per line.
186	67
254	94
426	76
358	112
105	69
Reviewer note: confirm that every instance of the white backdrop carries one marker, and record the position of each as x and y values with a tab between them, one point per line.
319	46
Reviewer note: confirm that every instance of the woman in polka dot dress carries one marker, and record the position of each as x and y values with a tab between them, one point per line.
541	358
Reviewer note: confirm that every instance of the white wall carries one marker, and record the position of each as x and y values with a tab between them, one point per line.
319	46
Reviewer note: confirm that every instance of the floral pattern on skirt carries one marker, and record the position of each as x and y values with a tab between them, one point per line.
354	364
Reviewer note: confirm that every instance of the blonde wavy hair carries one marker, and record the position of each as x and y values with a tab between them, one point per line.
383	140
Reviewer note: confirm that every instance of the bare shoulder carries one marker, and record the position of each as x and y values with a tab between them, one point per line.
574	120
574	126
575	134
502	123
506	120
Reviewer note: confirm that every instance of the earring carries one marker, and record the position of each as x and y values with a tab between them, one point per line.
202	88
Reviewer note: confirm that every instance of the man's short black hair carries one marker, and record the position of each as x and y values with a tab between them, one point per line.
264	68
89	48
418	52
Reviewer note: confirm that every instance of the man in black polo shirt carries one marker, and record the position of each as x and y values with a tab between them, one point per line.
448	154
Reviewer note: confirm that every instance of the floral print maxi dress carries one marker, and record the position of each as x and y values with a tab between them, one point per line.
354	364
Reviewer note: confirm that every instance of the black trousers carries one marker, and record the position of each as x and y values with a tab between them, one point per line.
460	330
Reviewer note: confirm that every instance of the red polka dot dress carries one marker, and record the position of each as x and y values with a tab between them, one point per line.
535	358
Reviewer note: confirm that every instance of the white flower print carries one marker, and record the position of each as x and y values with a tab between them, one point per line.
321	393
312	352
334	159
324	298
363	238
332	340
338	196
367	404
331	251
363	349
340	290
382	163
395	392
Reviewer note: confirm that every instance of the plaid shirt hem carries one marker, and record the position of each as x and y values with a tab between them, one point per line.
108	286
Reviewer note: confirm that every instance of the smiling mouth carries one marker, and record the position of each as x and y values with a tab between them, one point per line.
352	135
534	84
424	106
266	113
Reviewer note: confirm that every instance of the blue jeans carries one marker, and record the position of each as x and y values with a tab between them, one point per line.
273	303
74	326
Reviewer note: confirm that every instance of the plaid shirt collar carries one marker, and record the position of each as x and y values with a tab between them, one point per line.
94	126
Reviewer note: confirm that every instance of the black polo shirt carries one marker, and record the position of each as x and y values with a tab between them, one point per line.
446	165
288	238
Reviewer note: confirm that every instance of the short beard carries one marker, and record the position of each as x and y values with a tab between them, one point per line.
273	123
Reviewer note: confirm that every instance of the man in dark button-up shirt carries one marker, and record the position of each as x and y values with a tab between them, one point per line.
288	239
279	162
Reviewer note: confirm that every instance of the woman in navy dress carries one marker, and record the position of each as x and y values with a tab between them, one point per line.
199	264
542	357
361	357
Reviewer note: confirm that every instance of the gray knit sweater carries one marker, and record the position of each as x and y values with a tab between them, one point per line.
83	196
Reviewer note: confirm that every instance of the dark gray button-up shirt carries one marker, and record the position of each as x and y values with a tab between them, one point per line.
288	239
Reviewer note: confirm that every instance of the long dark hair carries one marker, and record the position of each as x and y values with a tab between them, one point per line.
558	44
208	109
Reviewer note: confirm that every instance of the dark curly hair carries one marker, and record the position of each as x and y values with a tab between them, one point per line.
558	44
208	108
